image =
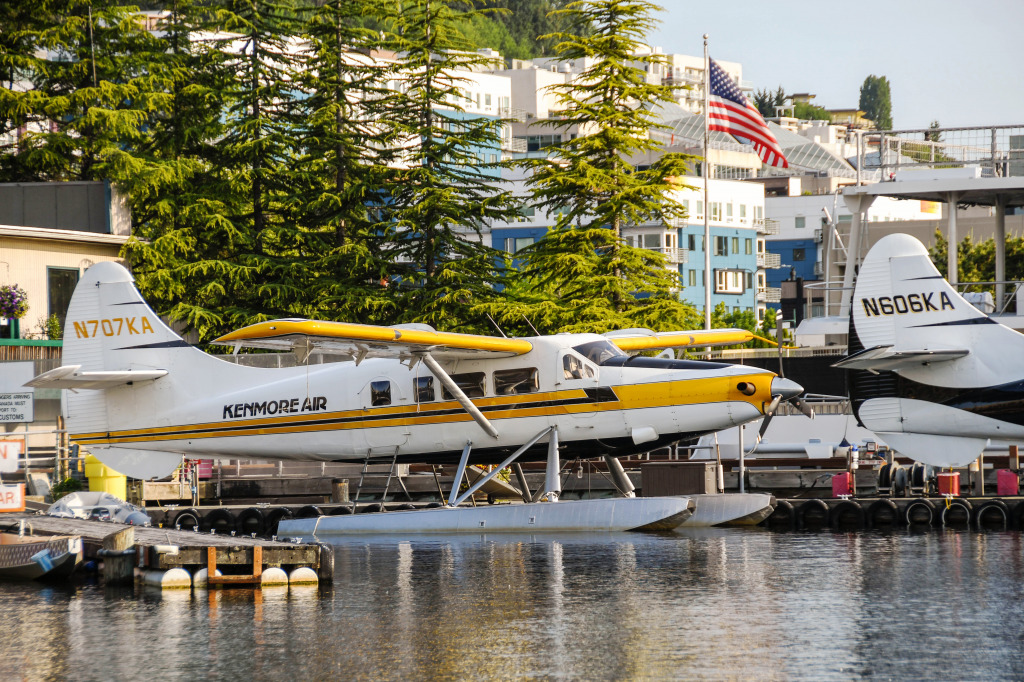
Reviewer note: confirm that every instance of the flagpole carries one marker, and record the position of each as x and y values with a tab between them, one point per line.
707	206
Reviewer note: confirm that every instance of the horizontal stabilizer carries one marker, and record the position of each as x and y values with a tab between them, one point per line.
884	358
937	450
631	340
72	376
141	464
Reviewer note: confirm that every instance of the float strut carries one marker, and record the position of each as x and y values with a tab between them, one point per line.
508	460
619	476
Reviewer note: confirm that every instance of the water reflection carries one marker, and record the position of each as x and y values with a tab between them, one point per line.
705	603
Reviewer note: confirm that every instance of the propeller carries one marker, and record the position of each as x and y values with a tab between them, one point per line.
783	389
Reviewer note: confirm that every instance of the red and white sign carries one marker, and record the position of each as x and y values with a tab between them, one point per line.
10	451
12	498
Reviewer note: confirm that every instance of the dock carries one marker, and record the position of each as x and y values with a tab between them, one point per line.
153	553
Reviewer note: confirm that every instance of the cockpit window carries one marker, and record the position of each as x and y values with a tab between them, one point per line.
574	368
598	351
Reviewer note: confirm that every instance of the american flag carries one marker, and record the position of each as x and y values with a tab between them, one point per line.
730	112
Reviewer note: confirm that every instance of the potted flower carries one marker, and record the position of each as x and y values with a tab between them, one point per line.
13	306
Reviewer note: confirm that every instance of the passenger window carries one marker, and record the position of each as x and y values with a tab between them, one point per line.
425	389
575	368
380	393
471	383
514	381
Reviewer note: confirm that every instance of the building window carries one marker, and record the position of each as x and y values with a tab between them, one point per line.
721	246
800	222
728	211
729	281
487	100
748	280
517	244
425	389
748	246
692	241
652	241
758	212
716	210
743	211
799	254
380	393
700	207
515	381
60	284
693	278
735	244
471	383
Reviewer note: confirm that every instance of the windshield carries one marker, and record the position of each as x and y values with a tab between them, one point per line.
598	351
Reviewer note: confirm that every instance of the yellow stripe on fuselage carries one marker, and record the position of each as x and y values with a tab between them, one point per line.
629	397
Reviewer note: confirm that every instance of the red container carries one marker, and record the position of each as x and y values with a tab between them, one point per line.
1007	483
205	469
949	483
842	484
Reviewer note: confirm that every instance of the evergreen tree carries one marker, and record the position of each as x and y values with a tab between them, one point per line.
876	101
766	101
85	101
346	151
583	264
444	193
181	204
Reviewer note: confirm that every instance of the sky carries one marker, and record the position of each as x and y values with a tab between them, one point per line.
960	62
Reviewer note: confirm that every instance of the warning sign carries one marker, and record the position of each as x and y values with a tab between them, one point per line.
12	498
16	407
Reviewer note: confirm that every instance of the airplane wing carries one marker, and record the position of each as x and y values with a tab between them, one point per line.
360	341
884	358
644	339
71	376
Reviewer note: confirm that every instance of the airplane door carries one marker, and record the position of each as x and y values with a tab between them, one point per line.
575	372
379	398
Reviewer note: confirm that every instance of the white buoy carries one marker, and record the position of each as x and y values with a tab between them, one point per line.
303	575
175	578
200	579
274	577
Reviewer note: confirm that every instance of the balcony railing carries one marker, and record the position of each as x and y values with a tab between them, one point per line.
672	255
514	144
769	260
766	225
769	295
818	235
819	268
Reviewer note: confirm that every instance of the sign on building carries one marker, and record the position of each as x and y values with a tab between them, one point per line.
16	407
12	498
10	451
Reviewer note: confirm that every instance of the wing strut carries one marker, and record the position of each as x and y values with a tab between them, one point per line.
454	389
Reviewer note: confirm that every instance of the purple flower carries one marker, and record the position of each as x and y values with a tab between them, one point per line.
13	301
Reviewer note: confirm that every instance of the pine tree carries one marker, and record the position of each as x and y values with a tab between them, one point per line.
445	193
595	190
346	151
87	100
182	234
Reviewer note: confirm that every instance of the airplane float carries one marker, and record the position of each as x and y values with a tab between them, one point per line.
140	399
932	376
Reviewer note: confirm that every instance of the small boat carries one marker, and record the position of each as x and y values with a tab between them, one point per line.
33	557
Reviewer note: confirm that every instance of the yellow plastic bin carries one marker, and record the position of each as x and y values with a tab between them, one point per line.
103	479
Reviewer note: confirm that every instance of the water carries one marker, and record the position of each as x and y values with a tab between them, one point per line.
713	604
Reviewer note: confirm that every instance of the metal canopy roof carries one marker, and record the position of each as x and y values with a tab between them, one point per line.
976	191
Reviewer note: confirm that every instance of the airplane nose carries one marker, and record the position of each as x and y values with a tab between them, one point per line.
786	388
